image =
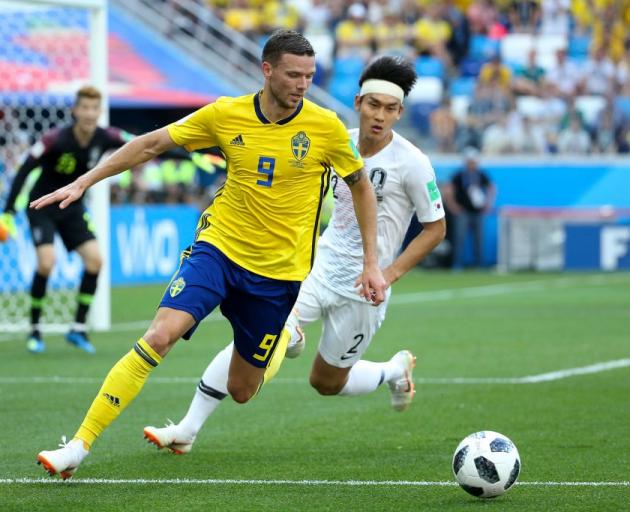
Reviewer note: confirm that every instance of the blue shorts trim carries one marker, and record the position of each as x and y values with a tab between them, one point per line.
256	306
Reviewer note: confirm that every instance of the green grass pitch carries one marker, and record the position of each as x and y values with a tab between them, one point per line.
568	426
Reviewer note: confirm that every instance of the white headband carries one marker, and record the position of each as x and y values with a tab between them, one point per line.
382	87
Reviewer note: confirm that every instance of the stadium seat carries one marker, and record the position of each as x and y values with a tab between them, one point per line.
323	44
344	89
529	106
470	67
482	47
348	67
464	86
546	47
421	116
578	47
622	106
428	89
429	66
590	107
515	47
459	107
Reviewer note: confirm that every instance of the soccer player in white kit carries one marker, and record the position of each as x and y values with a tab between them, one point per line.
404	184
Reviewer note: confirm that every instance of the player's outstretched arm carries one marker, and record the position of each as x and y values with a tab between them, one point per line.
432	234
135	152
371	282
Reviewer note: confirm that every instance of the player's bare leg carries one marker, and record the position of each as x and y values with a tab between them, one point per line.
122	384
210	393
244	379
365	376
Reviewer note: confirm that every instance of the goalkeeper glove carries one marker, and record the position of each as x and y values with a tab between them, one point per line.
7	225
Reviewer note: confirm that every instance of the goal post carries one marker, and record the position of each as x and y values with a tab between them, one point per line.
49	49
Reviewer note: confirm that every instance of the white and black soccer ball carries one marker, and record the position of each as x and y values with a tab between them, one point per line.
486	464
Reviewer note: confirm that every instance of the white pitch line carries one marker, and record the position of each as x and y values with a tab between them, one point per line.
348	483
474	292
471	292
529	379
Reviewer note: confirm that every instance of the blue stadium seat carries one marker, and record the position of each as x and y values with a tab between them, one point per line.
344	89
429	66
421	116
470	66
622	106
463	86
482	47
348	66
578	47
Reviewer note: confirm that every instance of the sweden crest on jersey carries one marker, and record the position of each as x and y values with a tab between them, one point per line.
300	145
177	286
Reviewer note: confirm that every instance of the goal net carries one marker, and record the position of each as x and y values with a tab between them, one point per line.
532	238
48	49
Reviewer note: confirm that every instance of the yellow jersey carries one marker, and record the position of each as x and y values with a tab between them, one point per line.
266	216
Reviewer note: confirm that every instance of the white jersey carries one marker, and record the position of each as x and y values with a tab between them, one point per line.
404	182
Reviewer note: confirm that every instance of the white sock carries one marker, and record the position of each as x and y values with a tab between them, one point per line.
212	389
364	377
292	325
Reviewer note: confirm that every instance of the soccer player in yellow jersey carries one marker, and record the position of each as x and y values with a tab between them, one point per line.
404	182
254	245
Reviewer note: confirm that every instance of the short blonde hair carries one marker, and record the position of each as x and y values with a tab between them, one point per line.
88	91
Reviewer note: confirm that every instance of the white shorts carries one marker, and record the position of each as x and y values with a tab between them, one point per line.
349	325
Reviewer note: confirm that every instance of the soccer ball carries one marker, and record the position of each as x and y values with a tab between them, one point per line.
486	464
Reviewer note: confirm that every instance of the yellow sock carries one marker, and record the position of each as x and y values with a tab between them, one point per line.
123	382
277	356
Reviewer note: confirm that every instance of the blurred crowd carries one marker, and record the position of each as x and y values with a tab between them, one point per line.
504	76
171	181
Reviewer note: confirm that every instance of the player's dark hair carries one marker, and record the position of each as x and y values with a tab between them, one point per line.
393	69
285	41
87	91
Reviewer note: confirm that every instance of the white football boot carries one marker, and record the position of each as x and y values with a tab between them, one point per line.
298	339
403	389
65	460
169	437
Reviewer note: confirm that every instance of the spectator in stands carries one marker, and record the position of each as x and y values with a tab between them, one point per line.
496	139
354	36
244	18
469	197
495	72
391	35
609	30
598	74
432	33
523	16
489	104
443	126
376	11
458	43
318	19
526	136
528	78
623	72
410	11
554	19
551	108
481	15
574	139
605	132
623	139
564	76
280	14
